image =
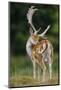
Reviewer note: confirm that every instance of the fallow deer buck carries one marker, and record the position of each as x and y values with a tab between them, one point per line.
38	48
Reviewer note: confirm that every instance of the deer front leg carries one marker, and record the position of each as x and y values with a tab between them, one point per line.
34	69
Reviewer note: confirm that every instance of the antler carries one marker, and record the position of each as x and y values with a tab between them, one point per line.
30	13
42	34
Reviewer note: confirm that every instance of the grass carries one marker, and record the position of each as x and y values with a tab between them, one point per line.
20	81
21	72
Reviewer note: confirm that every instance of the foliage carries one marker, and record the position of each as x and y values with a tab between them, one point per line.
19	28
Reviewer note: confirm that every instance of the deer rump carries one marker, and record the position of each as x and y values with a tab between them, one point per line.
42	51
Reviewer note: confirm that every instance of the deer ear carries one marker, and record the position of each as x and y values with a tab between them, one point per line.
31	31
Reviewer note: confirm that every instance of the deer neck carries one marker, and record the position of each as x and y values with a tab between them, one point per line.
29	45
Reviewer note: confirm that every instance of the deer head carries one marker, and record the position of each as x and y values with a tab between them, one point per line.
33	30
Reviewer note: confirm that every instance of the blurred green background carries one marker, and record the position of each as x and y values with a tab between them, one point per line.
20	64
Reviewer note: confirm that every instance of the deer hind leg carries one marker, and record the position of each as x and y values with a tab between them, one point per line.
44	70
39	72
50	61
50	68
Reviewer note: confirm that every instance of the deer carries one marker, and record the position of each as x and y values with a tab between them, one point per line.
39	48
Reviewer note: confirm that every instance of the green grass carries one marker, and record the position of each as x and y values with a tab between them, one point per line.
21	72
21	65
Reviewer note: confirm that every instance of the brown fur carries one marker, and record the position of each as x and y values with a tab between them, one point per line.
39	46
